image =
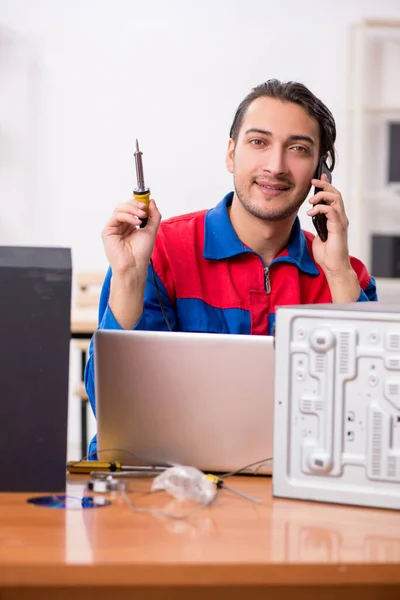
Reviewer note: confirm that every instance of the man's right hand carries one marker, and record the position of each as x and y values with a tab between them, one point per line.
127	247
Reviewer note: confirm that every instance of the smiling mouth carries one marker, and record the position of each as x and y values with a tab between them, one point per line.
273	187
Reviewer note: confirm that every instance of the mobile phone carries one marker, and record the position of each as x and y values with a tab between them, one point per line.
320	219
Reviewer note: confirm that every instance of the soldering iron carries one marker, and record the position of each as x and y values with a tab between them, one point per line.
141	192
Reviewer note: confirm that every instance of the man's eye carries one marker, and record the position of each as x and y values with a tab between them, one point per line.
257	142
301	149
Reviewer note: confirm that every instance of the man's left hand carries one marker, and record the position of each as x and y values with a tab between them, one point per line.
333	255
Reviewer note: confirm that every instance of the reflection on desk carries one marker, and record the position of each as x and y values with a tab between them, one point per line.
232	545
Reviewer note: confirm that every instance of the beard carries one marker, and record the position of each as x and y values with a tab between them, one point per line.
262	209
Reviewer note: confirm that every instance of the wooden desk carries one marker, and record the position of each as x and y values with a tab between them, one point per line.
235	549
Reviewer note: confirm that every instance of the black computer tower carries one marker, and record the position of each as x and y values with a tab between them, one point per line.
35	305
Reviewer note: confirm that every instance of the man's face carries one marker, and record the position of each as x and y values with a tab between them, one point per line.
274	158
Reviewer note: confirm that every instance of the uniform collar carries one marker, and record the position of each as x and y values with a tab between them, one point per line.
221	241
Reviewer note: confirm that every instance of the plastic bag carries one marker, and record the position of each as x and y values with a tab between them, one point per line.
186	483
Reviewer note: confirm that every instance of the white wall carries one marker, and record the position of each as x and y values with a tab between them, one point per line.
80	80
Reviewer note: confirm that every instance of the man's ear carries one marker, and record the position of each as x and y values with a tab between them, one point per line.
230	155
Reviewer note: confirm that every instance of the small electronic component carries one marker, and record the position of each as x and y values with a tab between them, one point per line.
103	485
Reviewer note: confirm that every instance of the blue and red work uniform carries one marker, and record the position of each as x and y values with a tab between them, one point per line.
210	281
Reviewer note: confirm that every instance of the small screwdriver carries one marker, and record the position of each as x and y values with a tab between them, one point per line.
89	466
141	192
220	484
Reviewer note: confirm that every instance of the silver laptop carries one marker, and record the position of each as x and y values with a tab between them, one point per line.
198	399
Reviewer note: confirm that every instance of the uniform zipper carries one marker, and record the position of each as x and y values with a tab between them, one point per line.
267	280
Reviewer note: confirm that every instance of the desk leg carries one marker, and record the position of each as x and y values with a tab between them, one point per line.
84	403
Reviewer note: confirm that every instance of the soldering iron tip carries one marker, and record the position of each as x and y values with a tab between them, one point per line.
137	146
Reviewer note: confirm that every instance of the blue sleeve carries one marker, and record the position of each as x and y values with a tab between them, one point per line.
369	294
152	319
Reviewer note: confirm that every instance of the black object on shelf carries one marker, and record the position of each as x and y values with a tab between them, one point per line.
385	255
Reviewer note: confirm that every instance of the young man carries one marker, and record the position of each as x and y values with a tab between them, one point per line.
227	269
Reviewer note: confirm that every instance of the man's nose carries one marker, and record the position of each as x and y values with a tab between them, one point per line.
275	161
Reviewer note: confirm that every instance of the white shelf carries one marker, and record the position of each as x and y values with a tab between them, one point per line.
388	290
381	23
389	196
382	110
389	282
373	58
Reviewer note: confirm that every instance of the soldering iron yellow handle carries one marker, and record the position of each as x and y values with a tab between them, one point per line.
87	466
143	197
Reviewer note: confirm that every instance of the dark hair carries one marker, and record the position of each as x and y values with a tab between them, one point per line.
293	91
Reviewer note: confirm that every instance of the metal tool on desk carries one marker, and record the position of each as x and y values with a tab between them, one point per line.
141	192
220	484
102	466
